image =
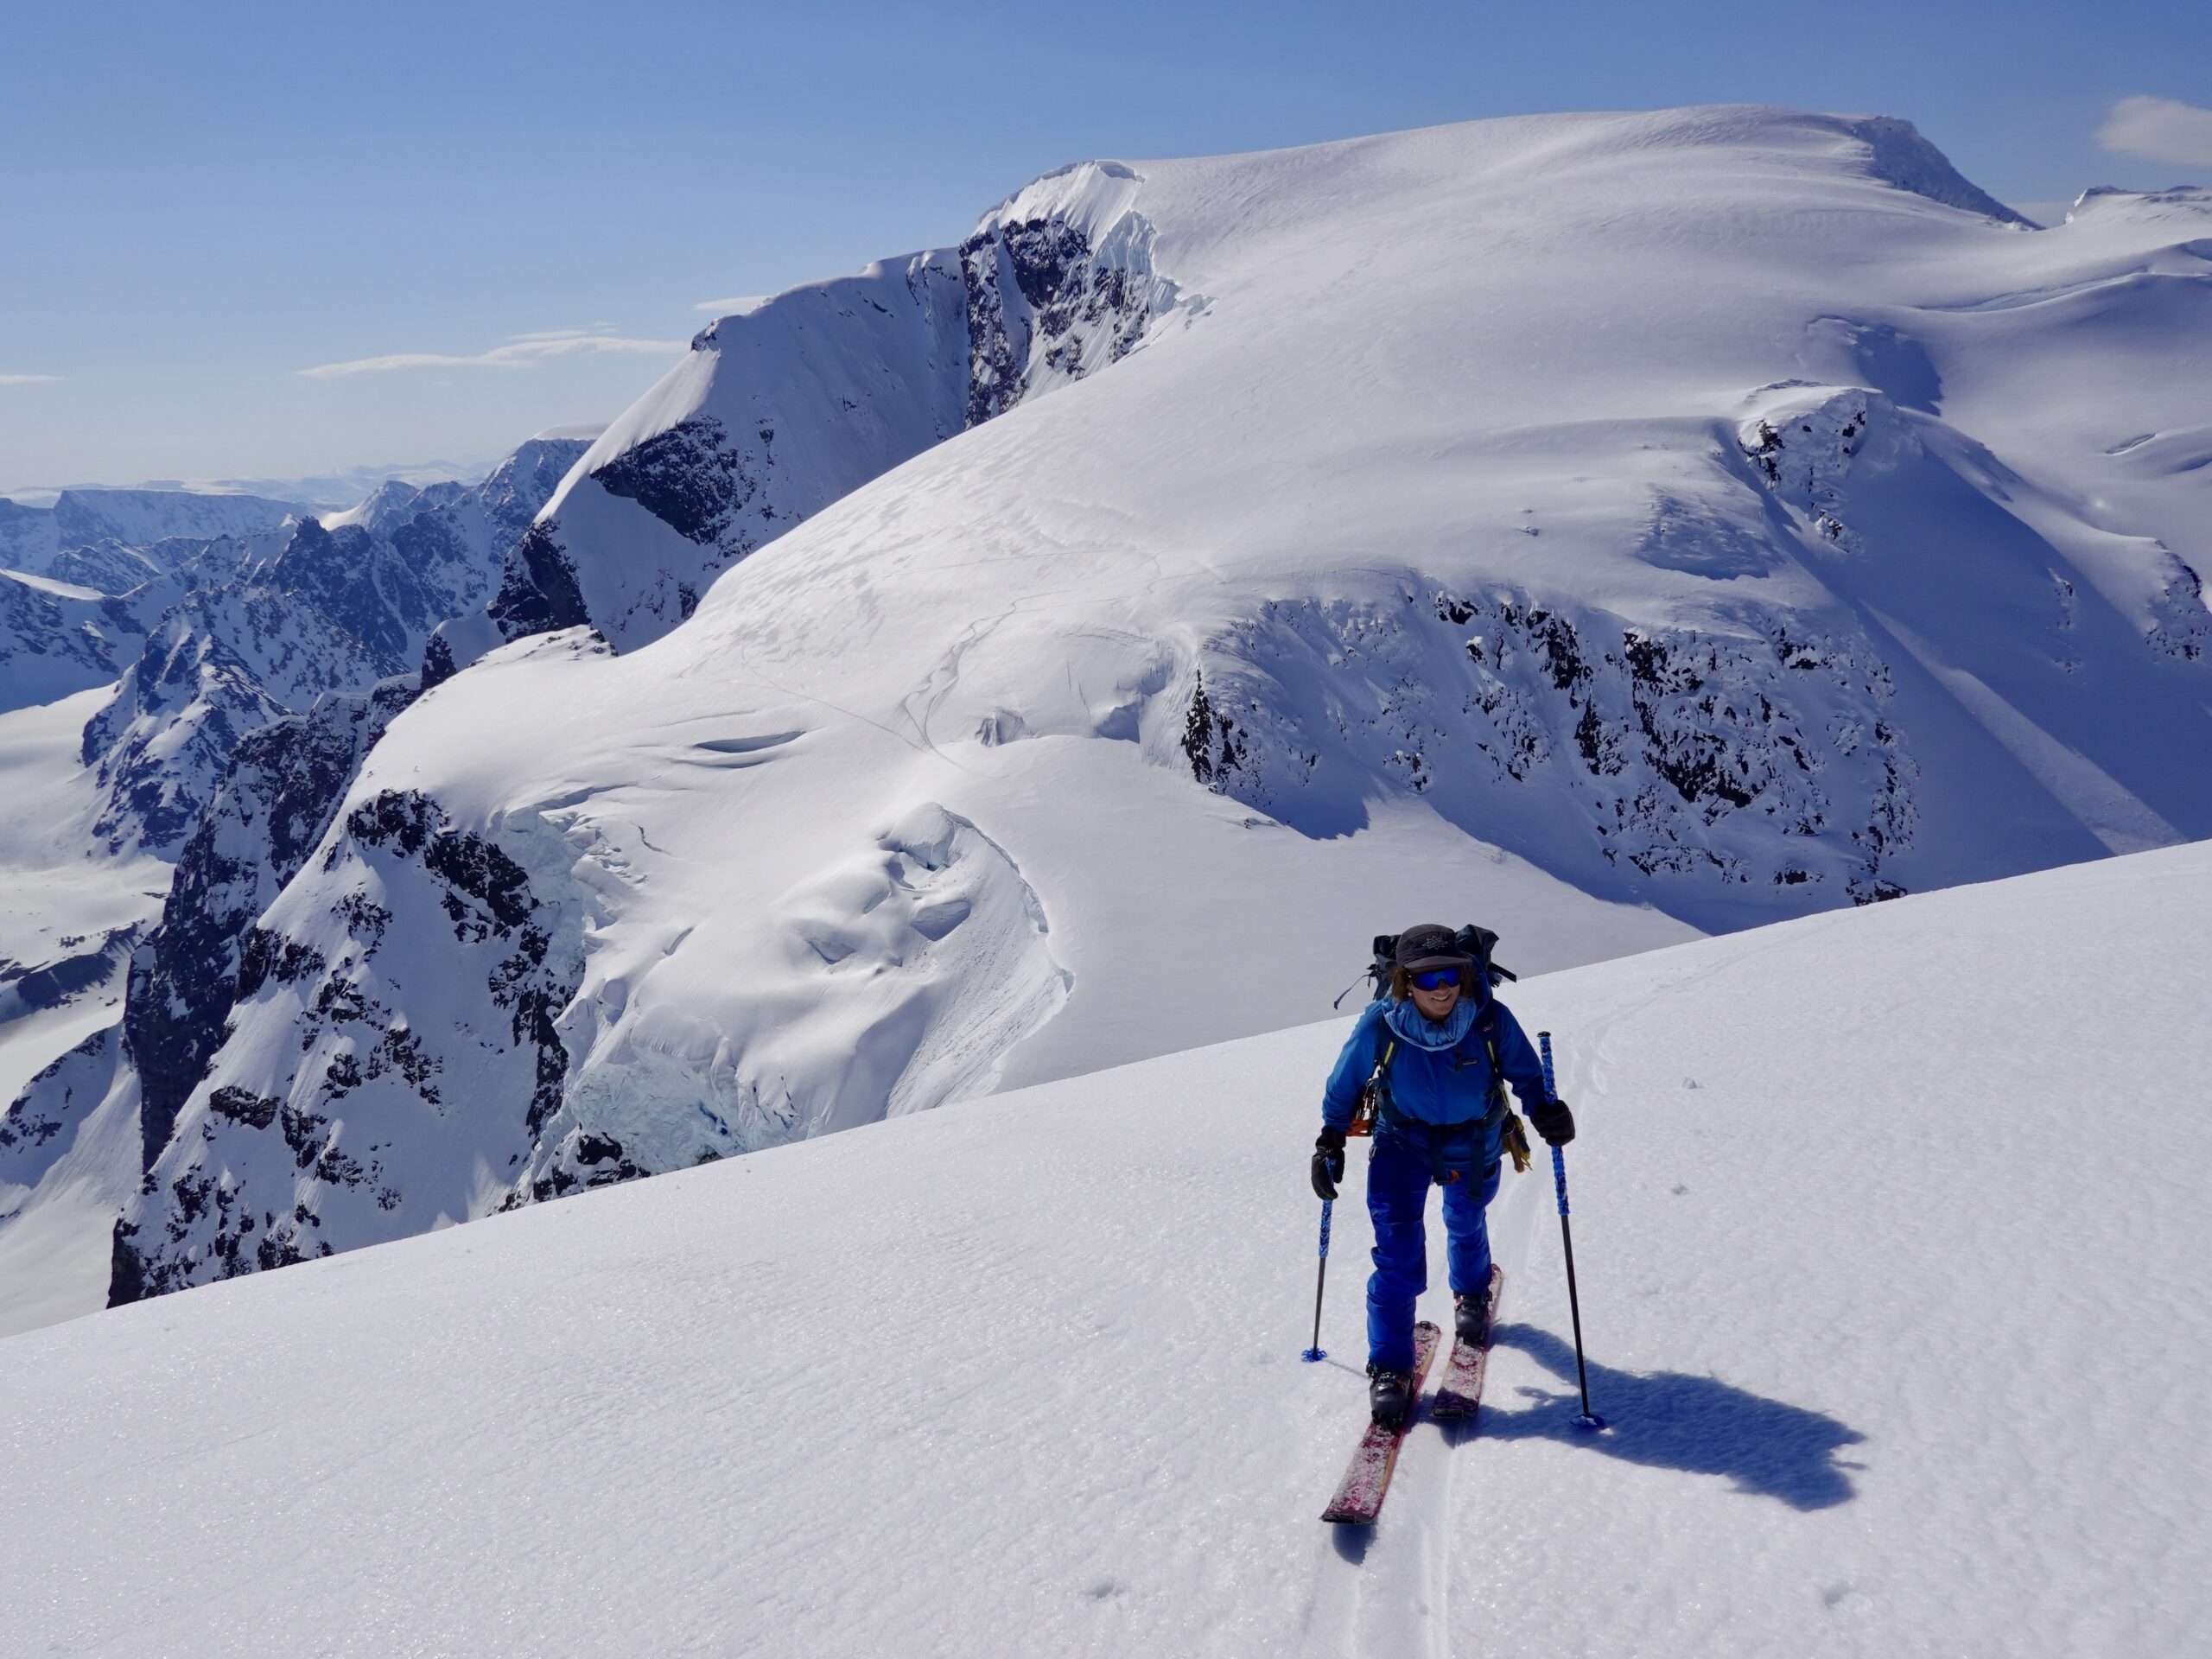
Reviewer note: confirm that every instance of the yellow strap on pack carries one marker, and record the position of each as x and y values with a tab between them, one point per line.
1516	1142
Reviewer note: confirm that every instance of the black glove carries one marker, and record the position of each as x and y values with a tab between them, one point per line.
1328	1163
1553	1121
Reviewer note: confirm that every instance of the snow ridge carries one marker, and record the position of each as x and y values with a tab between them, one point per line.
779	410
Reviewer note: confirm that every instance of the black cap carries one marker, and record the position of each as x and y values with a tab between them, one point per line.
1431	945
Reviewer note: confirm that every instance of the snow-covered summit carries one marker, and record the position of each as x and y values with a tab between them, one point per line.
790	402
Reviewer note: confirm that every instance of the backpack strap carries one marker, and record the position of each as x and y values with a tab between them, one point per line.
1515	1138
1376	1095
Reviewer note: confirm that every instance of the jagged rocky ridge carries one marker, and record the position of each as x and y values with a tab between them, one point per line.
273	661
329	609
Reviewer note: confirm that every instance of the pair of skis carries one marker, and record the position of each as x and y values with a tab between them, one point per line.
1459	1397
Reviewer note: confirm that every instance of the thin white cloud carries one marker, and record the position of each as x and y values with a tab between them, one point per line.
738	305
596	329
519	353
2161	128
28	379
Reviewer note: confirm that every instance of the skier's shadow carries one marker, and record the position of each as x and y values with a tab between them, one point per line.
1670	1420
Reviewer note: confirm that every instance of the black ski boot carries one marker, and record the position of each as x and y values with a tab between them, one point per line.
1389	1396
1470	1317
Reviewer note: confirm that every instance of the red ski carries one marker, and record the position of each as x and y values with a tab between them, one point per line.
1460	1395
1360	1498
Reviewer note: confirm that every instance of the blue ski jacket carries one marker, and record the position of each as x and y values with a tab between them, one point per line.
1440	1075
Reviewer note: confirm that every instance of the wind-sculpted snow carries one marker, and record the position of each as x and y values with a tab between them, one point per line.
902	972
1896	1361
1897	154
1047	307
895	965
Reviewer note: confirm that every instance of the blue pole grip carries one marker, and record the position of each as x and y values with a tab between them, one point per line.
1551	1092
1326	1207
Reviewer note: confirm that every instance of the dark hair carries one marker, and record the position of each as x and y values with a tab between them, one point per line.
1402	982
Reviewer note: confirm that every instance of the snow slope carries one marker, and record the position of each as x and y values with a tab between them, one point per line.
67	926
1891	1245
1637	524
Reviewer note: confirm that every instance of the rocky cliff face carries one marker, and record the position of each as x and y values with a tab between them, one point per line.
367	1126
274	805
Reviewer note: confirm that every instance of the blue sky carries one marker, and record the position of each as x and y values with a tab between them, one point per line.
200	202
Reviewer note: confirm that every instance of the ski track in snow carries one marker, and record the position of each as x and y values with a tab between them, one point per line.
1385	1590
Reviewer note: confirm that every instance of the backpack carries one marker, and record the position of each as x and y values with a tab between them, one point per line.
1477	942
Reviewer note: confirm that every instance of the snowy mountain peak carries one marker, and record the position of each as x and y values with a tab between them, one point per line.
387	501
780	409
1645	524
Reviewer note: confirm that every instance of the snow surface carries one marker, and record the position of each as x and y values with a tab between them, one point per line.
53	892
1890	1244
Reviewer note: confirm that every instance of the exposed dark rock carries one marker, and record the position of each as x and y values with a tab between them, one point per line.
687	477
241	1106
275	804
538	592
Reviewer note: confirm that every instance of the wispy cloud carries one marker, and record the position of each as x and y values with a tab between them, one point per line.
520	351
738	305
28	379
2161	128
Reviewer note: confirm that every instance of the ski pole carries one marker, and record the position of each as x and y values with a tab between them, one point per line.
1588	1419
1320	1283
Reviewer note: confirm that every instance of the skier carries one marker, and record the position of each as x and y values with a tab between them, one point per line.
1434	1049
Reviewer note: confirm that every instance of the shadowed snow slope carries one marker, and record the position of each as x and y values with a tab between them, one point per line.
1891	1251
1612	528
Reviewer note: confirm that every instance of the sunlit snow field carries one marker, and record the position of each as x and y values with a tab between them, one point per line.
1890	1236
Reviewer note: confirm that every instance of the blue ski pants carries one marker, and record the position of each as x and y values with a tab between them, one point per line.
1399	1174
